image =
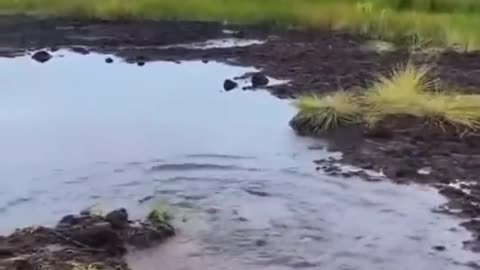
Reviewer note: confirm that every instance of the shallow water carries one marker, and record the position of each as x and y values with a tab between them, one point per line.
77	131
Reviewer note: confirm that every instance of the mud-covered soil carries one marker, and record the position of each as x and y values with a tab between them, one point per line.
313	61
84	241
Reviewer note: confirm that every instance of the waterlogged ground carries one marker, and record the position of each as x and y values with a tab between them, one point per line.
245	193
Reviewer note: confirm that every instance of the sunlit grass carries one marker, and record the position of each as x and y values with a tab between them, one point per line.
429	21
404	92
320	114
396	93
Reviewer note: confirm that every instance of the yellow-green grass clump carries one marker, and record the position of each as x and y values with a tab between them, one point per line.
320	114
405	92
399	93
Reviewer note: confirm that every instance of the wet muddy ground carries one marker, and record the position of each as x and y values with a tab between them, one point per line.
86	127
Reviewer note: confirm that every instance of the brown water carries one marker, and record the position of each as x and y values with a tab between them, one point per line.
77	132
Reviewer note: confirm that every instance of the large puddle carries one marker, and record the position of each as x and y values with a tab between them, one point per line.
77	132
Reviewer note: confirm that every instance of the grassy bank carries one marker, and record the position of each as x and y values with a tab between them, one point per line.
418	21
404	93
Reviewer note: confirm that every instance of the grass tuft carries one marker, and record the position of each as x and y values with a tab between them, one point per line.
396	93
405	92
320	114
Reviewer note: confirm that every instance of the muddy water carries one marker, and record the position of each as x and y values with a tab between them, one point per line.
77	131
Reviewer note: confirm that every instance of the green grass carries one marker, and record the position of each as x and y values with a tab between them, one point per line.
405	92
161	213
440	22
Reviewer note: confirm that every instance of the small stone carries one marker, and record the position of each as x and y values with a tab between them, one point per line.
140	63
259	79
80	50
229	85
68	220
439	248
41	56
108	60
118	218
204	61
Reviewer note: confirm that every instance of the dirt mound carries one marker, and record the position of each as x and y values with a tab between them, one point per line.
84	241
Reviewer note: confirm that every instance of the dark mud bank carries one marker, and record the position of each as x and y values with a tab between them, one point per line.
84	241
313	61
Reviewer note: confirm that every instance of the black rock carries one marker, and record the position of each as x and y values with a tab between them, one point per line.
69	220
439	248
118	218
140	63
80	50
229	85
108	60
41	56
259	79
204	61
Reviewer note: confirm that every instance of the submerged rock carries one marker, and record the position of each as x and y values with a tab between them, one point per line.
259	79
69	220
108	60
229	85
41	56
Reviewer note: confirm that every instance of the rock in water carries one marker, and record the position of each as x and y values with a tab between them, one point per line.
41	56
118	218
69	220
259	79
229	85
80	50
108	60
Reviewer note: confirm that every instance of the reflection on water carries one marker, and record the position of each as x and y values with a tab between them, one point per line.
76	131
